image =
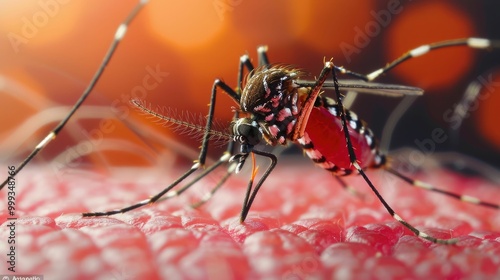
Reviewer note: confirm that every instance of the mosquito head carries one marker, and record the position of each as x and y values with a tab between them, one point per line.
246	132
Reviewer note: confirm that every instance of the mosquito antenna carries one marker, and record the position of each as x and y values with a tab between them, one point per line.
188	126
119	34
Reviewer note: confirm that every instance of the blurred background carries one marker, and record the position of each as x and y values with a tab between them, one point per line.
173	51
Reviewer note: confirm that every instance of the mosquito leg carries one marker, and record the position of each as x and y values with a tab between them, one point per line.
429	187
475	43
347	72
250	195
348	188
244	63
230	170
263	59
151	200
223	159
199	163
354	162
119	34
209	195
459	114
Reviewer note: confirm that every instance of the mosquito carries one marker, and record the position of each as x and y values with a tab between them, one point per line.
276	106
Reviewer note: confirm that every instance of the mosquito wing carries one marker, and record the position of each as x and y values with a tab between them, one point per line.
368	87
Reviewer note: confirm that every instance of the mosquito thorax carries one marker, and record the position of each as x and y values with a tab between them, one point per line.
271	95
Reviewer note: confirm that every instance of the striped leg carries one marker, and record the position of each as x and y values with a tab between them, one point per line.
244	63
475	43
168	192
349	188
207	131
119	34
354	162
429	187
208	196
479	167
459	112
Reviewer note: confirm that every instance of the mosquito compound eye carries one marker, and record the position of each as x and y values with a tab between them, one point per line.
252	133
247	132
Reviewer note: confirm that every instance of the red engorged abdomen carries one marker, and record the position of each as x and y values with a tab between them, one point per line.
325	132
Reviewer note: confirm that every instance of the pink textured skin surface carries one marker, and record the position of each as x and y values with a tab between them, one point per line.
302	226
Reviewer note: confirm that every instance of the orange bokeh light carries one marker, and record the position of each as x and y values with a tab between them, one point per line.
425	23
